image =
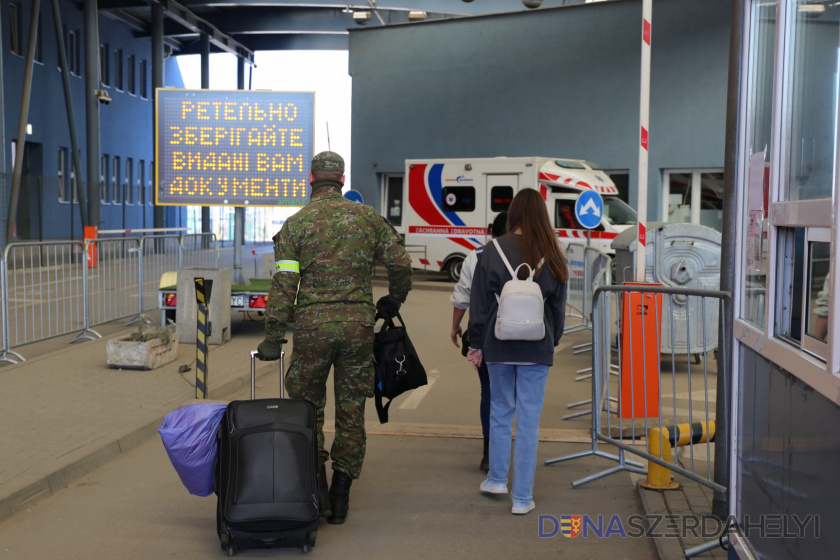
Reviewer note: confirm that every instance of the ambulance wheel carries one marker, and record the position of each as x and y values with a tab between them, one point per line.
454	269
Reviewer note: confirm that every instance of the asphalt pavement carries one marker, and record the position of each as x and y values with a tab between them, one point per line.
68	417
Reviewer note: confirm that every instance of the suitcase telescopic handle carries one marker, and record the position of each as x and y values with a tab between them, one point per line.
254	374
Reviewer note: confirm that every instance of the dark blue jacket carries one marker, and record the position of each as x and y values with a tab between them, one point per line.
490	275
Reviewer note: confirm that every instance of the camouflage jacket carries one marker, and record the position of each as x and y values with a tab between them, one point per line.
324	258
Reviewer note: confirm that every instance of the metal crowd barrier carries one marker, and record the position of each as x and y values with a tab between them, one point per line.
589	269
653	392
56	288
114	281
199	250
43	293
160	253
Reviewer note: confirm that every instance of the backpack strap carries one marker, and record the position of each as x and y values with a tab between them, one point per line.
510	268
504	258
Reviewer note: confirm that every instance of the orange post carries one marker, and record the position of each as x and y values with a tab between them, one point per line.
641	317
90	242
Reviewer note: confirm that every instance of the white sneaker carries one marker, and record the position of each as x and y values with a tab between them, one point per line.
521	509
493	487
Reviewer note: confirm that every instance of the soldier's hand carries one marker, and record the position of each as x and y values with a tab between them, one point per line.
388	307
269	349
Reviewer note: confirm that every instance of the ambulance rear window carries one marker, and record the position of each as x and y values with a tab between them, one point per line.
566	164
458	199
500	197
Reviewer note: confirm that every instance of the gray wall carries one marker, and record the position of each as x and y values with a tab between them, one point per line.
787	465
549	82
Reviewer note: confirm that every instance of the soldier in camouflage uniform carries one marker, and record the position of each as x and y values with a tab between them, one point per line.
324	258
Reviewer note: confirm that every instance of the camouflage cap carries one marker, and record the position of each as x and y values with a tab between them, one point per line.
328	161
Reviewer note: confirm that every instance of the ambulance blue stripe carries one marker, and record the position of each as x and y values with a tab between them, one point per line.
436	189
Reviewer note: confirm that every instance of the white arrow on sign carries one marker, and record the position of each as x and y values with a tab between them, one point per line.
591	208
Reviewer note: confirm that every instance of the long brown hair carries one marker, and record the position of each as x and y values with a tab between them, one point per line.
528	213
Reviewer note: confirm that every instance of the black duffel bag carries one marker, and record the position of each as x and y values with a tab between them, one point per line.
398	369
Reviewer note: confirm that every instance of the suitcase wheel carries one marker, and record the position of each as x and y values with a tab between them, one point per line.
305	548
230	551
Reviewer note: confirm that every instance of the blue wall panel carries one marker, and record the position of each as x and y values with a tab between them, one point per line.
550	82
126	124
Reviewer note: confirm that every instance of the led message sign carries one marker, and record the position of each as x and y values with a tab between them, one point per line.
233	148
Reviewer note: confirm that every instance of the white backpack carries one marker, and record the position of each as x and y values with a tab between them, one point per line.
521	305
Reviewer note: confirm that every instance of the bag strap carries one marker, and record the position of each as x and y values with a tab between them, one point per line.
510	268
504	259
381	411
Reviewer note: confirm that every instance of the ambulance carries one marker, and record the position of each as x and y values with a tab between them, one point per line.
452	202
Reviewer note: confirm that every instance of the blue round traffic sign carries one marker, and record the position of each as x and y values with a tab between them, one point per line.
589	208
355	196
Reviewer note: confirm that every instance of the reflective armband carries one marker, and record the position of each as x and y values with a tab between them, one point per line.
287	266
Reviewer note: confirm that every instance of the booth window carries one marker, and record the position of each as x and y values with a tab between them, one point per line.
458	199
755	224
802	293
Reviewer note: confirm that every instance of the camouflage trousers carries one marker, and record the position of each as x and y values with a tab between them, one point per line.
347	347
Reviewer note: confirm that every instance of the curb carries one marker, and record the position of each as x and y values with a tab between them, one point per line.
48	484
653	503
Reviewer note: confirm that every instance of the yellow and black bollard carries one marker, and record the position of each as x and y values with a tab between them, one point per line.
661	443
202	298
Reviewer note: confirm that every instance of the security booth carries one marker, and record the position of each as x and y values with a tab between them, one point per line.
785	446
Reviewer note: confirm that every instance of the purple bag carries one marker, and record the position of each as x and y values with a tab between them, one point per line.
189	436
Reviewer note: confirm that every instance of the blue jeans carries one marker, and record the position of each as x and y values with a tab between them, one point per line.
484	407
518	390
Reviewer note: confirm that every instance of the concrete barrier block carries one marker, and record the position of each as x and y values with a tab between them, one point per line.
267	265
187	308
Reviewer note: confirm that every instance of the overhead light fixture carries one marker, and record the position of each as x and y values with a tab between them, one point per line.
416	14
811	8
532	4
361	17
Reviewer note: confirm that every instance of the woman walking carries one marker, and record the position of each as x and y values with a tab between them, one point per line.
518	368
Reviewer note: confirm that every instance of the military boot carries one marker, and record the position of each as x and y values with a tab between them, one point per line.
340	496
324	506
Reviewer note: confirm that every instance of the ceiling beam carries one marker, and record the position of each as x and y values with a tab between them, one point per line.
286	42
176	12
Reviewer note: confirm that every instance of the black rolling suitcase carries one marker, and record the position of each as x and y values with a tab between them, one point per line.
266	477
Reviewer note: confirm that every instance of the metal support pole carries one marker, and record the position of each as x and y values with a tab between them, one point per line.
644	128
728	269
157	82
239	211
20	141
3	170
202	297
205	84
71	117
92	107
